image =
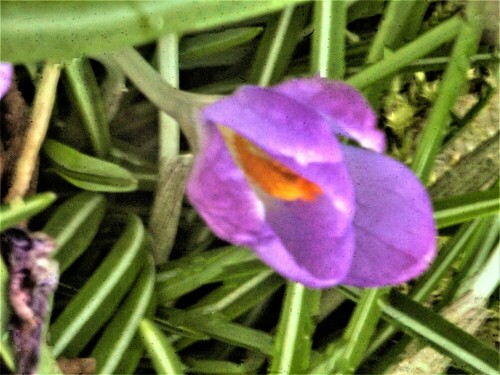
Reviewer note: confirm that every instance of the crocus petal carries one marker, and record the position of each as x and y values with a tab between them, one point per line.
6	71
220	192
348	113
307	238
394	225
276	123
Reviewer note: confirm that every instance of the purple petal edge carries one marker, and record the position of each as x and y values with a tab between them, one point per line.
346	110
394	224
6	71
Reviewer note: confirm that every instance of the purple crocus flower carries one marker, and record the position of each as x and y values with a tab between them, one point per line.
6	71
271	175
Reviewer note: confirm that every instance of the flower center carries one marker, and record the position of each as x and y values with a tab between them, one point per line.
266	173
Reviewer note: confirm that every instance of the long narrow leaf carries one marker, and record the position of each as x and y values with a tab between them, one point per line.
425	324
74	225
217	327
92	303
120	331
83	86
458	209
15	212
87	172
159	349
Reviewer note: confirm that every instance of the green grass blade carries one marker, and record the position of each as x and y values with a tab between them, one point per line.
189	273
132	357
120	331
444	336
217	327
82	85
235	298
90	301
328	46
454	78
412	51
13	213
5	313
159	349
48	363
74	225
277	46
458	209
87	172
359	331
200	46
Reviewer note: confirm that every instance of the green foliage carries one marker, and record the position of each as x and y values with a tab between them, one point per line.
216	309
15	212
87	172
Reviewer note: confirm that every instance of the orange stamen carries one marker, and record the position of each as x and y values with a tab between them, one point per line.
266	173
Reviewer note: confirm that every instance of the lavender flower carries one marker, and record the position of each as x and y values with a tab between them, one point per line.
6	72
271	175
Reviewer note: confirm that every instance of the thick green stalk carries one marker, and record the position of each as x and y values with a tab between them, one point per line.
328	49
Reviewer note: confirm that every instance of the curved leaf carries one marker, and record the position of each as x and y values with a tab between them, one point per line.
161	352
87	172
100	295
11	214
74	225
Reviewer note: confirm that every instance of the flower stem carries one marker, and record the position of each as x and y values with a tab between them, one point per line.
181	105
168	66
328	55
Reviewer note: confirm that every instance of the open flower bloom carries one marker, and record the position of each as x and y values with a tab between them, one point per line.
6	71
271	175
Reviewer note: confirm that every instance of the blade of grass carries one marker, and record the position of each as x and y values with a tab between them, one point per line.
120	331
393	23
235	298
458	209
159	349
454	78
74	225
82	85
412	51
217	327
200	46
13	213
114	271
328	48
277	46
189	273
469	252
168	67
87	172
6	351
423	323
